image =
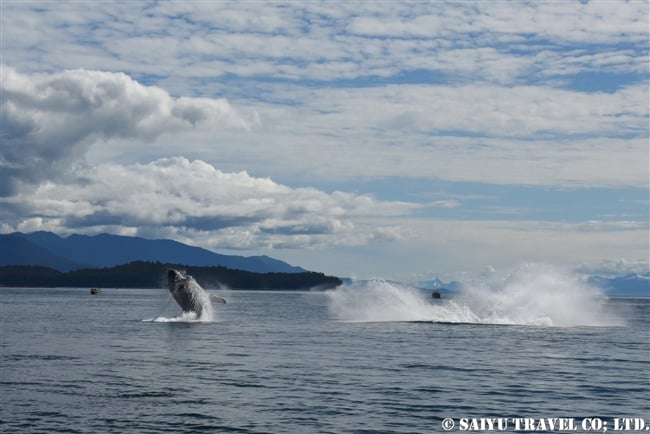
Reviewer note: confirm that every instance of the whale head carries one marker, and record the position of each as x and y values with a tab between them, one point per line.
174	277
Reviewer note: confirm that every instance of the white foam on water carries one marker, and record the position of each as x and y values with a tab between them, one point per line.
533	294
183	317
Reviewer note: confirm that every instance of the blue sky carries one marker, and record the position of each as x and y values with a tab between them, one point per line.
375	139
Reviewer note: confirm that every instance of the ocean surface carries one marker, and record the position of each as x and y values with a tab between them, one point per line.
371	357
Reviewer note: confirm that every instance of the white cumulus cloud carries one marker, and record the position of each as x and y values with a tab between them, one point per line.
49	120
193	201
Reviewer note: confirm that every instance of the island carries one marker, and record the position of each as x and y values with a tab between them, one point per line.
143	274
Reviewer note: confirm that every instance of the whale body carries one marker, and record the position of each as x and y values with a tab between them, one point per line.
188	294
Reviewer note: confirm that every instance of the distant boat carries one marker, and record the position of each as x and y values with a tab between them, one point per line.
95	291
435	294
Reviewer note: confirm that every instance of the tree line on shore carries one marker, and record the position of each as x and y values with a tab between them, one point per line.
141	274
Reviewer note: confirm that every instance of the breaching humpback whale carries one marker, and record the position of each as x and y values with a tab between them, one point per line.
188	294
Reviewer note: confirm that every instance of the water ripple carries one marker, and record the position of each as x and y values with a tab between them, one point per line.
281	363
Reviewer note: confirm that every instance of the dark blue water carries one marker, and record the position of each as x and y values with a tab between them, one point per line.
284	362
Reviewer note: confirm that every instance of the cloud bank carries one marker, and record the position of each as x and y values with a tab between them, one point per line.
50	120
190	200
485	42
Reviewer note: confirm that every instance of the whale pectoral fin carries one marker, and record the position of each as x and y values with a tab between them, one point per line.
217	299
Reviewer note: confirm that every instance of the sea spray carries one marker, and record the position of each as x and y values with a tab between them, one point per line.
384	301
530	295
378	300
538	294
184	317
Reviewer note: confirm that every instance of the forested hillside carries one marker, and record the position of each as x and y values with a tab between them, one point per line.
142	274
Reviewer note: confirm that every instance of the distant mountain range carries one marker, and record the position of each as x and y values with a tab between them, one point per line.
104	250
438	285
630	285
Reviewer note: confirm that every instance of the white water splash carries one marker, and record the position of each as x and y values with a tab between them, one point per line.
531	295
185	317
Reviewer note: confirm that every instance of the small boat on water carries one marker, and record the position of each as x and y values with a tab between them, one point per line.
95	291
